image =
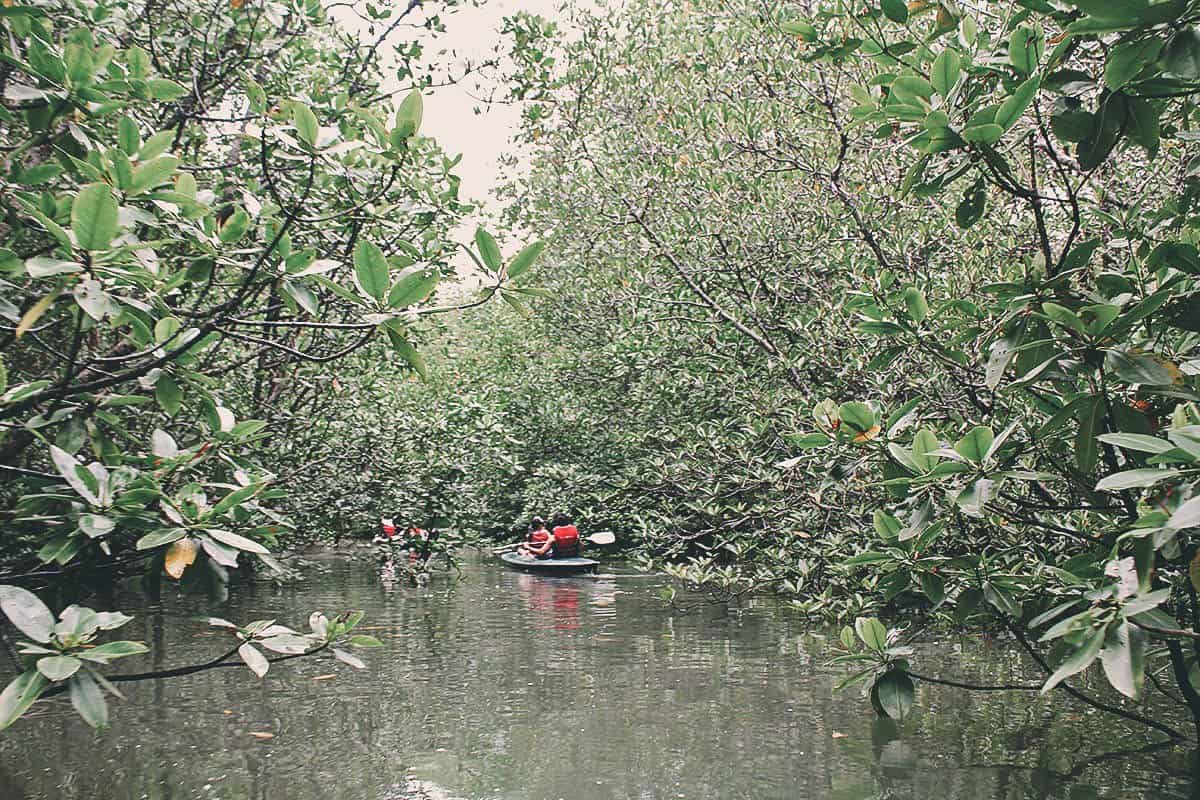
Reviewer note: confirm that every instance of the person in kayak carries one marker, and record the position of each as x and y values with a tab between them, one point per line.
538	541
564	537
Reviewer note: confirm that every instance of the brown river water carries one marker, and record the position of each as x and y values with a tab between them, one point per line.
506	686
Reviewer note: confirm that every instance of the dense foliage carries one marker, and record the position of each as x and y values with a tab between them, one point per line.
207	208
891	308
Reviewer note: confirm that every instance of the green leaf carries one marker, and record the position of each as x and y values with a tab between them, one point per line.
895	10
412	286
240	542
128	136
1182	56
1091	416
19	695
255	95
1128	59
88	700
404	347
859	416
946	69
1137	441
1124	658
235	227
974	201
165	90
307	127
371	269
96	525
808	441
489	251
58	668
914	301
1138	369
27	613
113	650
153	173
254	659
94	217
975	445
168	394
362	640
516	304
1001	600
1064	316
1014	106
872	632
1025	49
894	692
1077	662
156	145
408	117
523	260
924	444
1186	516
160	537
1134	479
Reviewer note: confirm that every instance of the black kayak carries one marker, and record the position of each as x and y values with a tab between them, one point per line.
550	566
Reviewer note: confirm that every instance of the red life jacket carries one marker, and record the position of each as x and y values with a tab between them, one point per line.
539	536
566	541
389	530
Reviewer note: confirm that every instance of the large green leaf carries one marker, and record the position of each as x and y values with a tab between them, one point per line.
371	269
523	260
408	116
413	285
975	445
859	416
27	613
19	695
872	632
1077	661
895	10
94	217
946	69
489	251
307	127
1124	657
58	668
1128	59
894	691
1025	48
88	700
153	173
1134	479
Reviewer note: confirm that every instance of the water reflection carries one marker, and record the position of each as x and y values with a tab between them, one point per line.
518	687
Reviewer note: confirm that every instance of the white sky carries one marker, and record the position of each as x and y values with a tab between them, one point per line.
449	115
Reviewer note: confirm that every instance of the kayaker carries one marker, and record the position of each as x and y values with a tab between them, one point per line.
564	536
538	541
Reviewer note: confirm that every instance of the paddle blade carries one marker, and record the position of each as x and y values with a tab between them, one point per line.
602	537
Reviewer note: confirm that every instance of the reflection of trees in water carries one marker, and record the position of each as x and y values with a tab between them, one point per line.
544	687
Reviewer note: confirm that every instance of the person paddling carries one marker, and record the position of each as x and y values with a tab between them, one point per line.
564	537
538	541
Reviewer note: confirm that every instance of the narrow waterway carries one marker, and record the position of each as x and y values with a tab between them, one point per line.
505	685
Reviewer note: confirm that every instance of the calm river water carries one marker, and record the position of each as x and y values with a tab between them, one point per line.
516	687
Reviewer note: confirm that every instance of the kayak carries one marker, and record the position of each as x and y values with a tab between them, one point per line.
550	566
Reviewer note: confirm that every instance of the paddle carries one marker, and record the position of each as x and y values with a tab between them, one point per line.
599	537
